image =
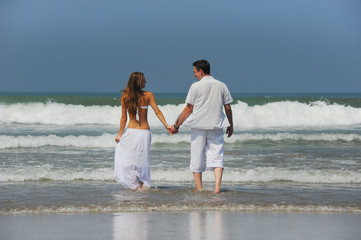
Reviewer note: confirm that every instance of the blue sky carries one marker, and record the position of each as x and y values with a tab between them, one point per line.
253	46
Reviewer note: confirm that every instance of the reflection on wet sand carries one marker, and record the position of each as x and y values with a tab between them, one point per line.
200	225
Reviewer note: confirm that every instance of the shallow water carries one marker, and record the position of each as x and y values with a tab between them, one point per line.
288	153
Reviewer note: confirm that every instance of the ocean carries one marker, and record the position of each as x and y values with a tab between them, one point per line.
289	152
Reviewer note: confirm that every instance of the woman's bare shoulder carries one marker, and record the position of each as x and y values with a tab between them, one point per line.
148	94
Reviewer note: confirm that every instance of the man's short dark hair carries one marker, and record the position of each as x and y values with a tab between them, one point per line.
204	65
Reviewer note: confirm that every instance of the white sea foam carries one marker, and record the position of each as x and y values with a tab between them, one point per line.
49	173
277	114
265	174
293	114
106	140
271	174
327	137
103	141
255	175
58	113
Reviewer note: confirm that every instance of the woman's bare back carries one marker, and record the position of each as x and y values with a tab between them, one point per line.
140	121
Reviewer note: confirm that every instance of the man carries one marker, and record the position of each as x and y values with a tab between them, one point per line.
205	101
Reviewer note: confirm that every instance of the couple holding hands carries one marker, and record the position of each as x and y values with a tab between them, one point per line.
205	101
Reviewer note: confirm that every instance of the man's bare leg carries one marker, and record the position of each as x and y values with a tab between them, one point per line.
198	180
218	172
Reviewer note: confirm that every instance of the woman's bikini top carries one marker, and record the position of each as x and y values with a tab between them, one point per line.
137	114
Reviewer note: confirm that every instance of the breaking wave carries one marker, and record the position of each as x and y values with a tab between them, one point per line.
255	175
106	140
276	114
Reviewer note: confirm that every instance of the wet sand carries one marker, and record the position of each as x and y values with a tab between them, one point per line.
182	225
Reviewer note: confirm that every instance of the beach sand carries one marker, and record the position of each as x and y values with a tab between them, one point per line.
182	225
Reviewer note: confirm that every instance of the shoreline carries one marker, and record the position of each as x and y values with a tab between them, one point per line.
99	197
272	208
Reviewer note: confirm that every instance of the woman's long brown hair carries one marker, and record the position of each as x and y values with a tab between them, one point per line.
132	94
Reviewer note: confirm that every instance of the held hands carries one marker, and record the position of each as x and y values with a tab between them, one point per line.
169	129
173	129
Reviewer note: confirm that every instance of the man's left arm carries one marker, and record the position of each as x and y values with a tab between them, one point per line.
228	110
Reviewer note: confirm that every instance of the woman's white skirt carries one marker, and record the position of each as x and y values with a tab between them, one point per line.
131	158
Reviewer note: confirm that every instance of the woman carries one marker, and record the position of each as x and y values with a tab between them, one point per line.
131	161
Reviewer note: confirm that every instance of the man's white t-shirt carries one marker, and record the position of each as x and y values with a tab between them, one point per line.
208	96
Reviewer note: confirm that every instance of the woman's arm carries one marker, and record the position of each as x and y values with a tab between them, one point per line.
123	122
157	111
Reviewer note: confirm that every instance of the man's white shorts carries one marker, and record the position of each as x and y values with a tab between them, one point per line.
209	143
